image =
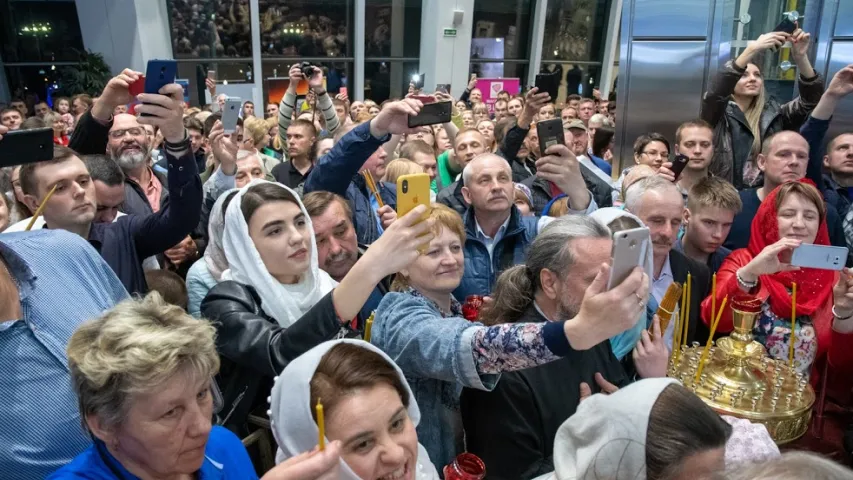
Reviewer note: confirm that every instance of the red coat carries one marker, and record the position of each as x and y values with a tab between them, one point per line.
835	346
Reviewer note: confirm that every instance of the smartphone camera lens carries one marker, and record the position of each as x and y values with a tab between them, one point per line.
405	186
633	244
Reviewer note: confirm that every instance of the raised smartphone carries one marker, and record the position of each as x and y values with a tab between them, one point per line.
20	147
548	82
158	74
678	163
230	114
823	257
550	133
412	190
211	74
629	251
418	81
431	114
786	25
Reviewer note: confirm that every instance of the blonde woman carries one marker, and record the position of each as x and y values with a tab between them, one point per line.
402	166
743	116
143	374
256	137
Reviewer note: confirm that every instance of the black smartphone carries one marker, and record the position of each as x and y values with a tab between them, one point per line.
548	82
786	25
550	133
418	81
20	147
431	114
678	163
158	74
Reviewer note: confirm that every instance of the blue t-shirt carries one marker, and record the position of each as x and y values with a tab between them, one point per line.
225	458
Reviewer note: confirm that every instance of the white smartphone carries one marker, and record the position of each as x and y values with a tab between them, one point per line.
823	257
230	114
629	250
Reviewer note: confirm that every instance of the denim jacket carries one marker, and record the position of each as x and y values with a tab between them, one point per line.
433	348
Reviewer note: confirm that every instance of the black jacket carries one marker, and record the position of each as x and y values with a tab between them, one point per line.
254	348
700	288
732	135
513	427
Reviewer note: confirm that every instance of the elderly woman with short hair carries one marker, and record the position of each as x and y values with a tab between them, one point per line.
143	375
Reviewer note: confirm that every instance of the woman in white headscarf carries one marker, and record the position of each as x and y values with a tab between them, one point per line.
206	272
652	429
369	410
274	303
617	220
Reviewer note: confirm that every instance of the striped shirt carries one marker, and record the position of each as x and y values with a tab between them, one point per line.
62	282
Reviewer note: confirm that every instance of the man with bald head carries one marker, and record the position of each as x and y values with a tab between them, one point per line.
659	204
784	158
497	235
468	144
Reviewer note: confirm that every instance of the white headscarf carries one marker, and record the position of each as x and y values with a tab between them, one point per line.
291	420
214	255
606	437
285	303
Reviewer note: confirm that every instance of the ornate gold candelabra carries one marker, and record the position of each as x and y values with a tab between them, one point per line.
739	378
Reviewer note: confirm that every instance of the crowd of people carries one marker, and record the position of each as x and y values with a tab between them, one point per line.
181	288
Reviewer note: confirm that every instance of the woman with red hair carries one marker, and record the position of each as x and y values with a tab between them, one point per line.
791	215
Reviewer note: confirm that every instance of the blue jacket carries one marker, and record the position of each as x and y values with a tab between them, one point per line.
225	458
481	271
436	355
337	172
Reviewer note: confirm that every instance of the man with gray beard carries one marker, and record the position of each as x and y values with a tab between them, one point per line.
128	145
566	265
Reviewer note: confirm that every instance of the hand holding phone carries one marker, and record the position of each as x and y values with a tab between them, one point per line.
413	190
678	163
158	74
630	248
823	257
431	114
230	114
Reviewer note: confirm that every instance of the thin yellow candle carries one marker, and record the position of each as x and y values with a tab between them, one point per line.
321	424
793	324
676	333
714	322
41	208
368	327
713	297
687	309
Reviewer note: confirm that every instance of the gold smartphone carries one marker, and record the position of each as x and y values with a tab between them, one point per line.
413	190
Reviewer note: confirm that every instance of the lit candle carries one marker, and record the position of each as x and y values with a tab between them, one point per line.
321	424
793	324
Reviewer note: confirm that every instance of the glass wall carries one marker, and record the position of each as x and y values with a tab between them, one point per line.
392	47
752	19
573	44
317	28
210	29
33	31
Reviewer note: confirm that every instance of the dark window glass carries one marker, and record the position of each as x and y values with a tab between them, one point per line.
213	29
35	31
501	29
393	28
316	28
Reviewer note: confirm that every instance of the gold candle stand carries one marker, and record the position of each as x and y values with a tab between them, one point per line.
741	380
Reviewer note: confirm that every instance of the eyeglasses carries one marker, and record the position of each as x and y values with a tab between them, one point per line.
134	132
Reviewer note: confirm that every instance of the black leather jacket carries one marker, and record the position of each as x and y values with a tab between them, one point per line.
732	135
254	347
